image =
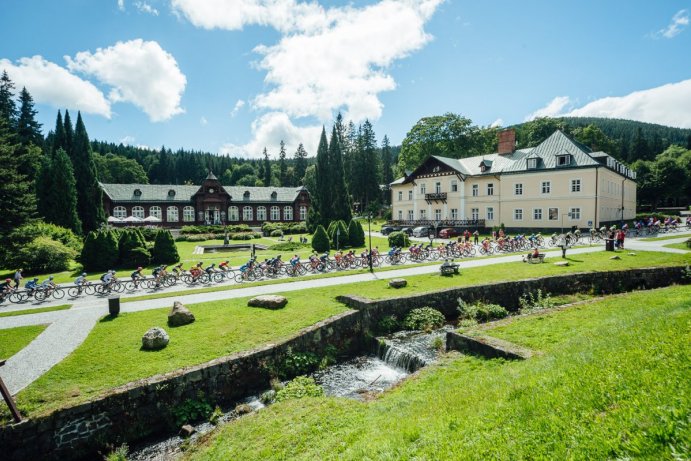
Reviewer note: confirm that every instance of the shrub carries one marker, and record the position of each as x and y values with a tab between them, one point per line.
100	251
132	250
149	233
276	233
356	235
300	387
29	232
298	363
481	312
288	246
245	236
399	239
537	301
192	410
339	238
320	241
389	324
43	254
424	318
165	251
119	454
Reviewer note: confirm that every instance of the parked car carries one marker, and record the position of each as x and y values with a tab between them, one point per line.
449	232
422	231
407	230
386	230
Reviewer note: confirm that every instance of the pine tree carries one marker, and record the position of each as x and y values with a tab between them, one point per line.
63	190
59	136
282	166
387	172
320	241
89	193
322	195
69	135
165	251
267	169
356	235
28	129
8	108
300	164
366	173
340	202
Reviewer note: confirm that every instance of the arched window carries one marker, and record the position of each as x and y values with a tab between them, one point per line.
120	212
188	214
288	213
275	213
138	211
233	213
172	214
303	213
155	211
261	213
247	214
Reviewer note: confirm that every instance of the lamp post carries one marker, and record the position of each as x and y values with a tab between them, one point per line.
369	232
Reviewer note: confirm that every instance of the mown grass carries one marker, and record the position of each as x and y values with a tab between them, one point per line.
612	382
665	237
38	310
111	355
12	340
678	246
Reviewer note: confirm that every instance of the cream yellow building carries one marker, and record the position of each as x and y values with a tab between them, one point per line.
559	183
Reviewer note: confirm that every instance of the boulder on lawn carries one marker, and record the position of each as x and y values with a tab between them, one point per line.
186	431
561	263
243	409
398	283
615	257
179	315
154	339
268	301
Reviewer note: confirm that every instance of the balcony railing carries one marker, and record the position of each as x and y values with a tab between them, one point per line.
440	224
435	196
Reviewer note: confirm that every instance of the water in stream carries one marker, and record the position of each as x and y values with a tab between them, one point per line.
397	356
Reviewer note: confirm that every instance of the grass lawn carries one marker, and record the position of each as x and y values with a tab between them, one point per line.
612	382
12	340
38	310
678	246
670	236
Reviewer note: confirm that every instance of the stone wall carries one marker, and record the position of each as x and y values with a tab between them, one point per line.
143	408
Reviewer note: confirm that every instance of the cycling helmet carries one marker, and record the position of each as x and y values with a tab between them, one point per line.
35	279
8	280
83	274
139	268
50	278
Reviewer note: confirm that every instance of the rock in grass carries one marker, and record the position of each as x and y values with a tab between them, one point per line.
561	263
186	431
268	301
243	409
632	254
180	315
154	339
398	283
615	257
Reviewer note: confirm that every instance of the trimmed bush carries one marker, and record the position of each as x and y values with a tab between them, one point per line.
165	251
356	235
132	249
100	251
138	256
44	255
424	318
399	239
481	312
339	237
276	233
320	241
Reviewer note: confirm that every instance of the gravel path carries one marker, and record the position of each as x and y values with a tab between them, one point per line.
69	328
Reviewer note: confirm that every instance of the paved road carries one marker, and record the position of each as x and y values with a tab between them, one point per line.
69	328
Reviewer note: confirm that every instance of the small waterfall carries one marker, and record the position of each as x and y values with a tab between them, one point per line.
410	350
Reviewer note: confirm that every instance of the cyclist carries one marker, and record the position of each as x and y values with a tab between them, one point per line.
80	281
294	260
6	287
210	270
136	275
224	266
177	269
31	285
18	277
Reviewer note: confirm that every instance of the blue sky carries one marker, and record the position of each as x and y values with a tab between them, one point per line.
235	76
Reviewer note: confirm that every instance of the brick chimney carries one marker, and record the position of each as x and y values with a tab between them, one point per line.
507	141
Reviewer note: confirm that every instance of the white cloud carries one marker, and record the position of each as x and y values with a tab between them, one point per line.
667	105
146	8
51	84
679	22
140	72
121	5
203	121
127	140
269	130
328	59
553	109
239	104
498	123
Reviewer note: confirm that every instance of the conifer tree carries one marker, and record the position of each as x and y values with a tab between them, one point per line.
28	129
69	134
58	205
8	108
267	169
300	164
387	172
322	195
89	193
282	166
366	174
356	235
340	202
165	251
59	136
320	241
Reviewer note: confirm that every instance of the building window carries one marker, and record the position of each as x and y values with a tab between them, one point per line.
275	213
475	214
246	195
400	195
518	189
172	214
546	187
454	214
437	215
288	213
553	214
537	214
454	186
410	195
490	189
437	188
476	190
247	214
233	213
532	163
274	196
155	211
411	215
188	214
575	214
261	213
423	214
400	215
518	214
423	189
563	160
575	185
303	213
490	213
138	212
120	212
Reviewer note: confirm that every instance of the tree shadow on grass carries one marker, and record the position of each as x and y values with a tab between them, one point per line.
569	258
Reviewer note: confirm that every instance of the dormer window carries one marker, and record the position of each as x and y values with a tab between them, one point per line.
485	165
246	195
532	163
137	193
274	195
564	160
171	193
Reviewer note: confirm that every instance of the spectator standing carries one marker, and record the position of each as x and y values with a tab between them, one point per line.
476	237
18	277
